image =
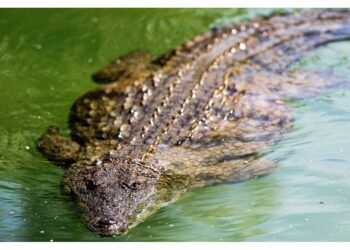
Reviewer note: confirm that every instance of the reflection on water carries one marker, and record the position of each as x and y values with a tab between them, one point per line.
44	68
198	216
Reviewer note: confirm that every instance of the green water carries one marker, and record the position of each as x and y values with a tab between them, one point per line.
46	59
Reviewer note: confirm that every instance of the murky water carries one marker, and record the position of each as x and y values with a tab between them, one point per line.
46	58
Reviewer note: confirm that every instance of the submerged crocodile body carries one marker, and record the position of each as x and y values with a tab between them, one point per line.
198	115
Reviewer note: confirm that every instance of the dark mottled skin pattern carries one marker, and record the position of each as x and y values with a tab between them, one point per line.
198	115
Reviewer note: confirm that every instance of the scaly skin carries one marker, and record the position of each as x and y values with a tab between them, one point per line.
197	116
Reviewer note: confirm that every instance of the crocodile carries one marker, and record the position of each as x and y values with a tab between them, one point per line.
198	115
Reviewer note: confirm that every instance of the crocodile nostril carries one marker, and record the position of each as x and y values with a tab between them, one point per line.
103	223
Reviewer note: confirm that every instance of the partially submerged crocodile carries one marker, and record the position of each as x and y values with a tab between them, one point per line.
196	116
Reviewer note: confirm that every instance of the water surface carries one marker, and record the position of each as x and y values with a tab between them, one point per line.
47	57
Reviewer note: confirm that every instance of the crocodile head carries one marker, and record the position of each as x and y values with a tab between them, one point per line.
113	193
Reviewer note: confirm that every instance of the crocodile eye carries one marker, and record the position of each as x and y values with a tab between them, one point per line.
90	185
131	185
134	185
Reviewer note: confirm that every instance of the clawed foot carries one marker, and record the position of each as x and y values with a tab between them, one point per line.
58	148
